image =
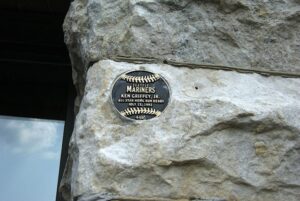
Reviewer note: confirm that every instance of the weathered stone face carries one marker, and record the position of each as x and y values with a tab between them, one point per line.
227	32
224	135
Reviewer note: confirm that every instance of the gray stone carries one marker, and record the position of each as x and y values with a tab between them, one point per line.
256	33
224	135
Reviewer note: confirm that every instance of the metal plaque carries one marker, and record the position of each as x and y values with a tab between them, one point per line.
140	95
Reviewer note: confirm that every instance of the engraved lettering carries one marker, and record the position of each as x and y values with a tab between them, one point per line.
140	89
143	95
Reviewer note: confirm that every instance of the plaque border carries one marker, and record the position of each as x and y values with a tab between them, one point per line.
129	71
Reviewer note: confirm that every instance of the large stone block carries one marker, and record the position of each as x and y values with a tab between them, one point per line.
224	135
242	33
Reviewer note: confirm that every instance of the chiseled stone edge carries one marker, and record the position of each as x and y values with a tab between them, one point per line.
108	197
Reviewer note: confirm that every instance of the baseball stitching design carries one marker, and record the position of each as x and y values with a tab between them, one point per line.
143	110
141	79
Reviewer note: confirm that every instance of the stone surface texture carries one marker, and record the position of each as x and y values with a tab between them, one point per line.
246	33
224	135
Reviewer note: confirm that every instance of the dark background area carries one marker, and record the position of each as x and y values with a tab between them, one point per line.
34	63
35	70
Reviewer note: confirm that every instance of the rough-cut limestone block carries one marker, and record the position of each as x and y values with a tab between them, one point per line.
224	135
246	33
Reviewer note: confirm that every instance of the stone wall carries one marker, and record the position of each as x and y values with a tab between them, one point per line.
224	136
247	33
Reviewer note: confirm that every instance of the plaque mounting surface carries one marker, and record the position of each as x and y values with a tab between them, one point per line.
140	95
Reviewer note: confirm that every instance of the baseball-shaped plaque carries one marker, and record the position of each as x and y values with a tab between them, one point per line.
140	95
